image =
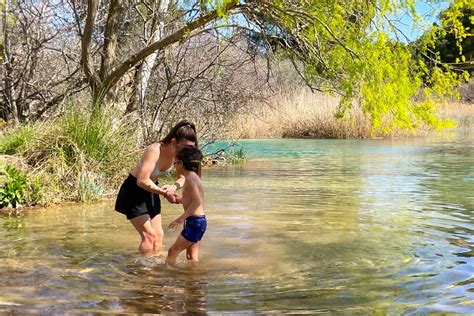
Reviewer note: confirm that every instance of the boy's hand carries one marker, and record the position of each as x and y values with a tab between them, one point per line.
178	198
169	188
174	224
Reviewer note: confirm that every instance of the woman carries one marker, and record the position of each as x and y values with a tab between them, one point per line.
139	195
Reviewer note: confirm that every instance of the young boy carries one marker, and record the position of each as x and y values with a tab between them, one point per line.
187	163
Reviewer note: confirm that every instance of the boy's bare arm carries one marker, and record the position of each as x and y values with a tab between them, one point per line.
178	184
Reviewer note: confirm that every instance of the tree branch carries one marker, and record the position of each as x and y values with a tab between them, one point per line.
180	34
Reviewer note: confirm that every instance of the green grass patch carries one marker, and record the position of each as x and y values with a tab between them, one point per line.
14	140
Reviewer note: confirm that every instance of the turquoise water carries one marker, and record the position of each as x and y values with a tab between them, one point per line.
304	226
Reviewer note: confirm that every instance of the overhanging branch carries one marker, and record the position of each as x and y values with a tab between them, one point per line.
177	36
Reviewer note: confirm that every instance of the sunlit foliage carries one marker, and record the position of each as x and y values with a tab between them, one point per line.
346	47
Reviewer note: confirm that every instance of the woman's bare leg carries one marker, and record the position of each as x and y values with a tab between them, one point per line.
157	226
143	225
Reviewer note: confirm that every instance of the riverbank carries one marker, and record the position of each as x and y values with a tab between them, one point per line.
312	115
76	157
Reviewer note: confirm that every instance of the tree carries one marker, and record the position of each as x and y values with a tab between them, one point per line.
338	46
210	87
111	72
448	43
39	68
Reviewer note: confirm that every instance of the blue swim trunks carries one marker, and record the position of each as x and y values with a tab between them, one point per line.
194	228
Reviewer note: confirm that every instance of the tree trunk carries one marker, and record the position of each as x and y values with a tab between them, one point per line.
8	88
148	62
92	78
144	72
110	38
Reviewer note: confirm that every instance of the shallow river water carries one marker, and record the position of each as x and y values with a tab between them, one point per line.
304	226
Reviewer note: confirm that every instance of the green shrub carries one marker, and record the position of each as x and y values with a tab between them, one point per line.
12	194
108	145
89	188
78	156
88	134
35	191
237	156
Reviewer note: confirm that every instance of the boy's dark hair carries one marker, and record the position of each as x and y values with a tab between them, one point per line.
190	156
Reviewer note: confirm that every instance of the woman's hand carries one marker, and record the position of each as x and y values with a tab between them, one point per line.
177	222
171	197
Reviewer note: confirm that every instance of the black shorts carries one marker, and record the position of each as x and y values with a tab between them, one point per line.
134	201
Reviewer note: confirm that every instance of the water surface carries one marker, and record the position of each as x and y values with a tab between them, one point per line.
305	226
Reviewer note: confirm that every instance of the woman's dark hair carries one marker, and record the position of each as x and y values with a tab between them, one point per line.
191	158
184	130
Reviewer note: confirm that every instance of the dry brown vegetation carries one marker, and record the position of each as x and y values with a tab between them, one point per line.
306	114
461	113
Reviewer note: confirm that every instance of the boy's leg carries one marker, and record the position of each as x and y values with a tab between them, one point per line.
156	224
192	252
179	245
143	225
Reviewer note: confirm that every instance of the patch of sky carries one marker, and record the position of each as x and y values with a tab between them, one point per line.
406	27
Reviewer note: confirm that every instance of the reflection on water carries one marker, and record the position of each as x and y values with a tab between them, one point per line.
304	226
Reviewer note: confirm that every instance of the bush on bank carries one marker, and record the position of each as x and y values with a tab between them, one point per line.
77	157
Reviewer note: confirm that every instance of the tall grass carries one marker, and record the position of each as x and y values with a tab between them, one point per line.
302	114
461	113
305	114
79	156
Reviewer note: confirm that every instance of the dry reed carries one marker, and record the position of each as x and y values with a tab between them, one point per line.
312	115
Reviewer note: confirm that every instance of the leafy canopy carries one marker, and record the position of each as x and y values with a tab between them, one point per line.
345	47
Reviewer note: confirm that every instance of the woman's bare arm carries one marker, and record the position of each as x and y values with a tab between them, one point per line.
147	163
